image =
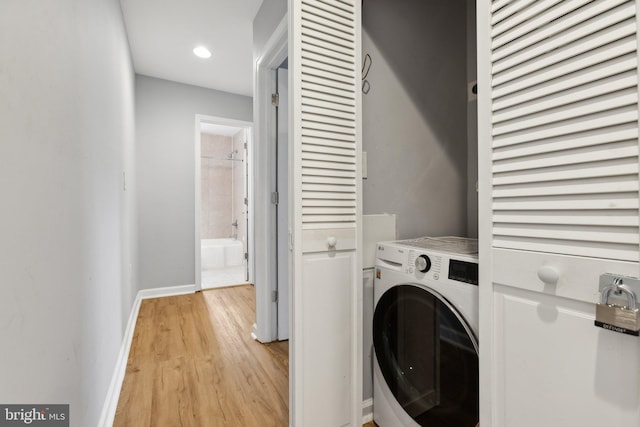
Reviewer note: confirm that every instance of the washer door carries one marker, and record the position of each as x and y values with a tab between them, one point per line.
428	357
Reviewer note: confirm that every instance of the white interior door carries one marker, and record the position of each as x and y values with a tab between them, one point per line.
558	160
325	137
282	188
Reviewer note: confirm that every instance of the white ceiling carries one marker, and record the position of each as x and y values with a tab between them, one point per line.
163	33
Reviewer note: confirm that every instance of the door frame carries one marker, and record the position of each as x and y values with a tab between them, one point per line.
485	222
276	51
283	210
202	118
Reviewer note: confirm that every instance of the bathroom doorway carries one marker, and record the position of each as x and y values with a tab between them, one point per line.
222	202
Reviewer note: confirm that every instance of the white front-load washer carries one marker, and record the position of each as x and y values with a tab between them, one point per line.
425	329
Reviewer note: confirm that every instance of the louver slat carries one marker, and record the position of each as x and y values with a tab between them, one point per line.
589	154
320	18
499	4
328	115
581	49
576	218
570	65
535	8
550	23
606	119
565	128
320	9
319	45
596	32
624	64
509	10
628	132
329	149
605	86
577	109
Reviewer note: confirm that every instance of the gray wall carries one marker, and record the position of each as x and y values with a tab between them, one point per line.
165	162
265	22
415	121
472	125
414	116
68	239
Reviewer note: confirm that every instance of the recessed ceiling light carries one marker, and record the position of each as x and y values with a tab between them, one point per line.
202	52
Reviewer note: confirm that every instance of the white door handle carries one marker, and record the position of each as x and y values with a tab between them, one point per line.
549	275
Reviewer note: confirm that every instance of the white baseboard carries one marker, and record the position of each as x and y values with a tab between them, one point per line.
166	292
367	411
113	394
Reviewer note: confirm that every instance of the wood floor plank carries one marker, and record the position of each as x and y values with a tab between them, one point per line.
193	363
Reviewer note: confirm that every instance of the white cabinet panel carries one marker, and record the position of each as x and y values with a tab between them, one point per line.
554	368
326	337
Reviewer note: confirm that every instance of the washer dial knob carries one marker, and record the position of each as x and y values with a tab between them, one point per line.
423	263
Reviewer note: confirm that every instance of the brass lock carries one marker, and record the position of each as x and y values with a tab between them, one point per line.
618	318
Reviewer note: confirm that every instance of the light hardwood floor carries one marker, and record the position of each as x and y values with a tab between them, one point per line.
193	363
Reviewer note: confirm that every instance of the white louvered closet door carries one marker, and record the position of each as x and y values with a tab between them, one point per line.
559	190
324	61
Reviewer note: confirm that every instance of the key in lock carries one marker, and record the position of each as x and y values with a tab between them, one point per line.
618	318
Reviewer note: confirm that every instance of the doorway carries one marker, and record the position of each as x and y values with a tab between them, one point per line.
223	215
271	191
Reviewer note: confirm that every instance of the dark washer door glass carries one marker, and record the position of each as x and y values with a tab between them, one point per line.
427	357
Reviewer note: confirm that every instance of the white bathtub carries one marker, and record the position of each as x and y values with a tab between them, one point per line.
221	253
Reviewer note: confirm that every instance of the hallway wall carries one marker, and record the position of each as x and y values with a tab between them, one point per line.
67	252
165	167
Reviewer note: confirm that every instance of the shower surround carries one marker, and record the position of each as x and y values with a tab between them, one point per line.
216	186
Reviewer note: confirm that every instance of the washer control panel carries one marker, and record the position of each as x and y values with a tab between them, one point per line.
428	264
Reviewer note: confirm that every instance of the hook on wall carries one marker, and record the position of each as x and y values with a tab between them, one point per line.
367	62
